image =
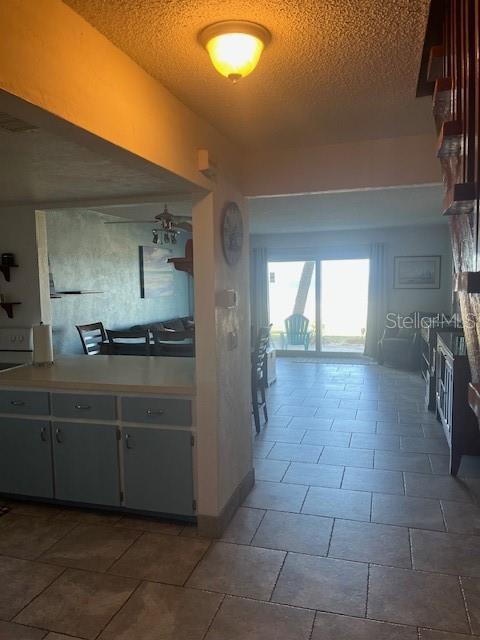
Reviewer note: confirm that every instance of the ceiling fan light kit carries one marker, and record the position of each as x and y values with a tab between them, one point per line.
234	46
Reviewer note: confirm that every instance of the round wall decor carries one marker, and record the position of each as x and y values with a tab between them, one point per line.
232	233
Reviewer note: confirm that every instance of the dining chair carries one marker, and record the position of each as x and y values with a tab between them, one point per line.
128	343
258	375
91	336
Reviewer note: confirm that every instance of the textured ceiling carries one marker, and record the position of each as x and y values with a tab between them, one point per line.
38	166
336	70
368	208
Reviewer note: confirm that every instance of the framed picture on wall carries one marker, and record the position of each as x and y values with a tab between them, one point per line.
156	274
416	272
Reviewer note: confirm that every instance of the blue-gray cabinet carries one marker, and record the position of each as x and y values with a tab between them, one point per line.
25	457
85	460
158	471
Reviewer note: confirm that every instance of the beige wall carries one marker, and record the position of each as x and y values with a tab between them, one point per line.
356	165
223	383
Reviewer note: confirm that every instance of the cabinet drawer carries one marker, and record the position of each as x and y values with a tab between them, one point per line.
24	402
83	406
157	411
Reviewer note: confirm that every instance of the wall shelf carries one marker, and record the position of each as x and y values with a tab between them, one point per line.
184	264
8	307
5	269
64	294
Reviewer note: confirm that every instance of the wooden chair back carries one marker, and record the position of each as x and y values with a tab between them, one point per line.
259	352
135	343
91	336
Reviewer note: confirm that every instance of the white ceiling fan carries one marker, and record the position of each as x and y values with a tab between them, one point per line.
169	226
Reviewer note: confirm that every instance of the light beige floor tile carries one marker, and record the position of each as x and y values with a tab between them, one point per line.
326	438
12	631
158	611
153	525
338	503
238	570
417	462
91	547
436	486
329	626
377	480
295	452
240	619
457	554
276	495
471	587
21	581
429	634
161	558
416	598
347	456
243	525
35	509
422	513
331	585
28	537
319	475
424	445
81	516
294	532
281	434
461	517
60	636
79	603
368	542
270	470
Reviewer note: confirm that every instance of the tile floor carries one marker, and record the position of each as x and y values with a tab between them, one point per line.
354	530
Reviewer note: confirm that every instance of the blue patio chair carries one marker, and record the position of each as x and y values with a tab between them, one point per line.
296	331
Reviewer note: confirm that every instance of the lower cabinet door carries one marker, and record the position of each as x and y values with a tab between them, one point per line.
86	463
26	457
158	471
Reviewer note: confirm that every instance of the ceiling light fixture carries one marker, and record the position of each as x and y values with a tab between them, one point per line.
234	46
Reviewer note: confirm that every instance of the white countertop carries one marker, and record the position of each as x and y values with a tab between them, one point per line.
116	374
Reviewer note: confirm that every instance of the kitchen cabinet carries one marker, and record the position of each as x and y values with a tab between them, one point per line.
85	460
25	457
158	471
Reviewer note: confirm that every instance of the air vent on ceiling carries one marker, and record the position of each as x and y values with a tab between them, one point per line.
14	125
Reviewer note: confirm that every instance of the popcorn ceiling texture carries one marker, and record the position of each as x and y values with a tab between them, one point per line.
336	70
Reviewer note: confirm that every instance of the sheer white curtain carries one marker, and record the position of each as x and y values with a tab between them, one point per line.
377	299
259	288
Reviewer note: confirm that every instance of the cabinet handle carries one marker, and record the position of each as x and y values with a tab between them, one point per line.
17	403
83	407
129	441
58	436
43	434
150	412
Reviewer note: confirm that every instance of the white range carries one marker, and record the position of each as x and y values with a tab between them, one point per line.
16	347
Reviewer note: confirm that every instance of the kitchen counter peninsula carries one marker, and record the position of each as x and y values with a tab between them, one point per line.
115	432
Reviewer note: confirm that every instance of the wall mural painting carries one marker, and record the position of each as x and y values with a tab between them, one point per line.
156	274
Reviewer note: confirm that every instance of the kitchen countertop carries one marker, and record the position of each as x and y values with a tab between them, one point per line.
115	374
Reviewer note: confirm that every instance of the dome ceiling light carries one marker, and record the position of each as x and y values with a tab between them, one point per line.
234	46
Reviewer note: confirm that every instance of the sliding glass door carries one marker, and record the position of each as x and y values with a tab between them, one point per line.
318	305
343	305
292	304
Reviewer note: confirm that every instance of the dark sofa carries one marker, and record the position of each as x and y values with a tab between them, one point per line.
180	332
